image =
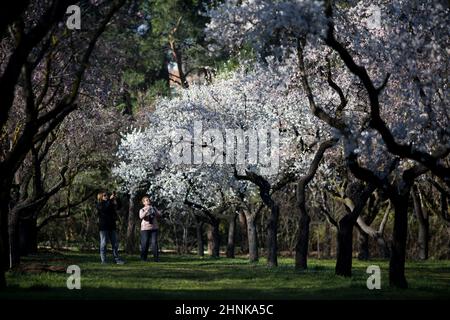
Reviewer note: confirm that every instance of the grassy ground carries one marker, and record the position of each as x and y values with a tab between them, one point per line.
192	277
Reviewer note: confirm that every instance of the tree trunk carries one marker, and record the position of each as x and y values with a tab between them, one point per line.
272	223
14	239
185	239
4	243
358	194
424	234
130	245
231	236
383	248
24	225
28	233
424	225
344	247
272	229
443	213
261	233
33	248
252	236
5	189
179	61
399	236
177	242
200	244
164	72
328	241
213	238
243	233
363	242
301	248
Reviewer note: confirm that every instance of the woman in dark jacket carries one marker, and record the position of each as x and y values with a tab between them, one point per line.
107	225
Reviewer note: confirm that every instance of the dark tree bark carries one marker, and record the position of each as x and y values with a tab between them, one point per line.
176	240
28	208
28	217
18	58
5	188
377	235
243	233
444	212
14	239
14	222
301	248
130	245
177	55
358	196
65	211
344	247
424	224
164	72
272	222
383	248
199	230
252	236
126	96
213	238
398	193
10	12
231	236
444	209
28	236
328	242
398	248
6	184
363	243
212	232
363	237
180	65
272	229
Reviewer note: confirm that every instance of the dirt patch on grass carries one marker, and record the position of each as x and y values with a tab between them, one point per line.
36	268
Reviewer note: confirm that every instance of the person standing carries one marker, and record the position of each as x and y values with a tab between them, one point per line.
106	210
149	229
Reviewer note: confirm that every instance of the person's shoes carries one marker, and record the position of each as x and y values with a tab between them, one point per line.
103	262
119	261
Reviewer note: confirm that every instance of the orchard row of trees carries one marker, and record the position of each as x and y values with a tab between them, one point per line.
352	116
348	120
190	231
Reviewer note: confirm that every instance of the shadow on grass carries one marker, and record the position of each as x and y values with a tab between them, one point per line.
191	277
339	293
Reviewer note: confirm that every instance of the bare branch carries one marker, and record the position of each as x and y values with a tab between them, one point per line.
59	215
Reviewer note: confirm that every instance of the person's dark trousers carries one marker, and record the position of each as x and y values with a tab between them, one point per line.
146	237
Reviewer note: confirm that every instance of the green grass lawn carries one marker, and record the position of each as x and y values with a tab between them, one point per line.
192	277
